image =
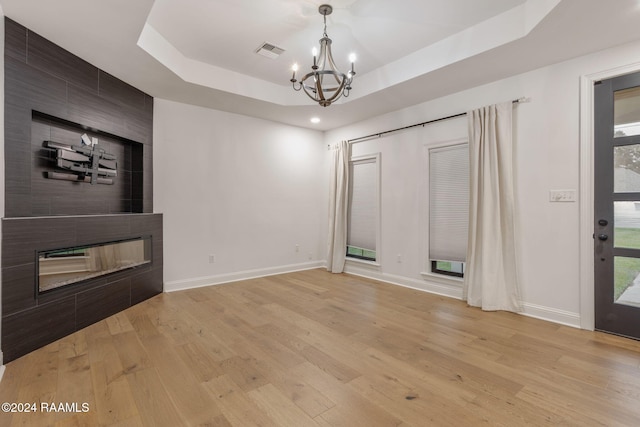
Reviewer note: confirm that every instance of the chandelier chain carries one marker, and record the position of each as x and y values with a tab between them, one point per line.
325	26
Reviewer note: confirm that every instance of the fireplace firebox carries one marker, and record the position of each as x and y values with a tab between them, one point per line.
67	266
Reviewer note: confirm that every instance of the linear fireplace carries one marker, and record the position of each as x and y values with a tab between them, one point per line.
63	267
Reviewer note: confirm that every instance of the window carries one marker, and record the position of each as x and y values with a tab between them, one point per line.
362	226
450	268
448	208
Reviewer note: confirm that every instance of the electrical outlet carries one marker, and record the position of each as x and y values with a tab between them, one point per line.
212	259
399	257
297	248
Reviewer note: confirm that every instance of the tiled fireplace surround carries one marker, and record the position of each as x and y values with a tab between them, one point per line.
52	94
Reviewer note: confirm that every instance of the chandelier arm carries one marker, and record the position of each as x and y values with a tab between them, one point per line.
310	91
332	65
337	94
321	73
319	89
325	46
318	93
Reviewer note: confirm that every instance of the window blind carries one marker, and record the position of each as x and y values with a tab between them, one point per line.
363	205
448	202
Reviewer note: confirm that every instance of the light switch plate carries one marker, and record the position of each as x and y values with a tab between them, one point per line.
562	195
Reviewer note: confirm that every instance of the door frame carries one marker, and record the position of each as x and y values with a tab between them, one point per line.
587	144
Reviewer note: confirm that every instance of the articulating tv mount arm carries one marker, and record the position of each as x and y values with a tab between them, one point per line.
87	162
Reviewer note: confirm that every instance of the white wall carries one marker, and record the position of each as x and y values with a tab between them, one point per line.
547	157
242	189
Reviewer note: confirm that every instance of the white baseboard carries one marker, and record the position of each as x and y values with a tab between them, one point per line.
551	314
198	282
452	290
1	372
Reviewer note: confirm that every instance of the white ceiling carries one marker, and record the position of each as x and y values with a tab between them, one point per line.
409	51
226	33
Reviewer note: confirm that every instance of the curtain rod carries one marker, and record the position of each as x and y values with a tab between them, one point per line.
379	134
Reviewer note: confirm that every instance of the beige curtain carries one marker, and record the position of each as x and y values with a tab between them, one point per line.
338	203
490	280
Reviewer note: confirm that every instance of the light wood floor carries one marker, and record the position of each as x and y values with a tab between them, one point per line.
312	348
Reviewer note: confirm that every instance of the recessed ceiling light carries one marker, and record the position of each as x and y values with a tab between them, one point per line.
315	119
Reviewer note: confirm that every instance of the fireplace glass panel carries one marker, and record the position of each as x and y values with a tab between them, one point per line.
62	267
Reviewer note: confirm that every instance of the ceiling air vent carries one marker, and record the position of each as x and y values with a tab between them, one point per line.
269	50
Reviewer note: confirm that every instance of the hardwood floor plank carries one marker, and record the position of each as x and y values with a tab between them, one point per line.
236	406
119	323
310	285
35	381
410	403
154	405
314	348
576	410
302	394
130	422
73	345
114	400
243	372
285	335
304	306
277	407
351	409
200	361
243	308
450	386
358	412
333	367
189	397
75	386
142	325
131	352
247	342
512	411
317	334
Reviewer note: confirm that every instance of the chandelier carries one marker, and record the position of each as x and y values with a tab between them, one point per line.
325	83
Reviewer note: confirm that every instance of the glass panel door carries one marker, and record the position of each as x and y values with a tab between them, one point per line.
626	106
626	281
617	205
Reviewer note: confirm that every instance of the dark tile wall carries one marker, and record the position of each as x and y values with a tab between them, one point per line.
52	94
44	80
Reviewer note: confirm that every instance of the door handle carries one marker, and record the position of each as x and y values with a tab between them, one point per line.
602	237
603	222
